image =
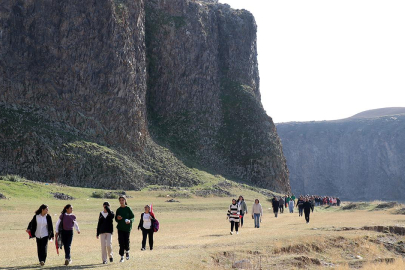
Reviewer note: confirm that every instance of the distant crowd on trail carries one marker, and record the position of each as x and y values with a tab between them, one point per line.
305	204
41	228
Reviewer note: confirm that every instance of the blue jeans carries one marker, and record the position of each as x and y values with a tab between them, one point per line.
257	220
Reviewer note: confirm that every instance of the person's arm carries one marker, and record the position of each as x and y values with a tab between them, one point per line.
110	213
57	226
140	222
131	215
76	225
50	227
98	225
116	215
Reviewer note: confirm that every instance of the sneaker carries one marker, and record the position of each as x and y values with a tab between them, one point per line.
66	261
104	262
151	248
42	263
237	232
142	249
127	255
231	233
122	259
111	259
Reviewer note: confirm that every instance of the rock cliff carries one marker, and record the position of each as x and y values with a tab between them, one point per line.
357	158
128	93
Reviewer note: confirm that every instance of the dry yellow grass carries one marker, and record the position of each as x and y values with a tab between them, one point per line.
195	235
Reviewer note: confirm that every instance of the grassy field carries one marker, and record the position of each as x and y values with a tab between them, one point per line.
194	233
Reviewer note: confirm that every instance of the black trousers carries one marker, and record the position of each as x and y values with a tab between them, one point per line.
67	237
147	233
42	248
236	224
123	241
241	219
282	208
307	215
300	210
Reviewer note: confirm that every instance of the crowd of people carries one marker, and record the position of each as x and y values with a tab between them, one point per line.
41	228
305	204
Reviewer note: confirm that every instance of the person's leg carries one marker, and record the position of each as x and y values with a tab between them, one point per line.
45	248
241	220
232	224
103	242
39	249
236	226
109	245
144	234
67	237
121	242
150	239
255	218
127	242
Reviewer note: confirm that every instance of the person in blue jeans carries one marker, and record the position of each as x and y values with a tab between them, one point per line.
257	213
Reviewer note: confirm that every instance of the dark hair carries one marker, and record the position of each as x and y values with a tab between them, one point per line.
65	208
106	203
124	197
257	200
42	207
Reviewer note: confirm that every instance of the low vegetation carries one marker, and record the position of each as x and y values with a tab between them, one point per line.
194	232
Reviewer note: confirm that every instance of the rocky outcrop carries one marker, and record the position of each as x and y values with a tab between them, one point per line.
203	91
93	95
354	158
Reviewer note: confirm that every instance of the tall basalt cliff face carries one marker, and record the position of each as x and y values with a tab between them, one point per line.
355	158
93	95
203	91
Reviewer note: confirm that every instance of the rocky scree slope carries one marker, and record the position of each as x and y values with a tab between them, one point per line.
356	159
92	95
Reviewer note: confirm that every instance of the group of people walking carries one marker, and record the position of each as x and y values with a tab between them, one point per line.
304	205
41	228
237	211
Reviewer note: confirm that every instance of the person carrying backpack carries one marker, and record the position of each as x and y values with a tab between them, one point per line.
146	224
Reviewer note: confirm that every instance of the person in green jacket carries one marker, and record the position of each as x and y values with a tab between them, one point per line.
124	217
243	209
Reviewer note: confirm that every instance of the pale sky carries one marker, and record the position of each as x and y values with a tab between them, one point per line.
327	60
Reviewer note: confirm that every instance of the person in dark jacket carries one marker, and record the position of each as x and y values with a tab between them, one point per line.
105	231
146	225
276	204
124	218
307	206
281	205
41	228
300	205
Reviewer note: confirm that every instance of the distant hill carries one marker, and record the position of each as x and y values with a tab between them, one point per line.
358	158
379	112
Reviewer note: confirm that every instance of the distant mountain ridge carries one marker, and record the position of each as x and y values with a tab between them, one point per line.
358	158
379	112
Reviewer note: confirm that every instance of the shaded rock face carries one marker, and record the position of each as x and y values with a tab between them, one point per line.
203	91
83	62
84	83
356	159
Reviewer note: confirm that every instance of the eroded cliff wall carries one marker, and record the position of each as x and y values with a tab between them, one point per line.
84	83
356	159
203	90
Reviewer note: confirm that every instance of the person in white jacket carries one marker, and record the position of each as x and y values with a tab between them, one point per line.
257	213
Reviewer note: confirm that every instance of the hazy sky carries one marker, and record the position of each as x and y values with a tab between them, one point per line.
325	60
